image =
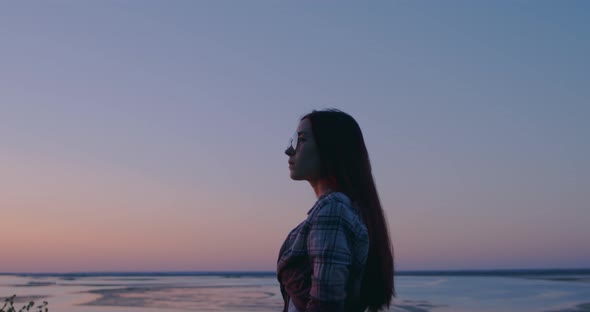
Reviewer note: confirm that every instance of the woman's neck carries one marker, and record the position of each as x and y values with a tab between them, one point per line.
320	187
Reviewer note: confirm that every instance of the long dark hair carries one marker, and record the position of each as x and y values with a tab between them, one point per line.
345	166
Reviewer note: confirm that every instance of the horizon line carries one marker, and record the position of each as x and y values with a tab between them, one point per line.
512	271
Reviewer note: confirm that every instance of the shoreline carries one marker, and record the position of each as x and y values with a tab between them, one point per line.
236	274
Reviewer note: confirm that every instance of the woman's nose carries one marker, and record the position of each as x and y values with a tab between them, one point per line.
290	151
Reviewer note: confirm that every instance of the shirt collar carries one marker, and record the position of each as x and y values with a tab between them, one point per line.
318	201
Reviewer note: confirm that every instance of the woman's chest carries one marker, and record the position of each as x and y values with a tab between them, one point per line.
296	242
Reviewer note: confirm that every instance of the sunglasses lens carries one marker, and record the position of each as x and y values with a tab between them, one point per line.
293	141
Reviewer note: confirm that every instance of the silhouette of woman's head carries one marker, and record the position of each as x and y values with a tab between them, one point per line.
329	145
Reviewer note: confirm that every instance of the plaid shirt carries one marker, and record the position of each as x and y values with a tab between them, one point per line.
321	263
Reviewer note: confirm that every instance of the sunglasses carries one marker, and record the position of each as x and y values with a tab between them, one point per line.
293	141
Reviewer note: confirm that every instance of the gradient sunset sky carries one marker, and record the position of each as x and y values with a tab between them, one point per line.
149	135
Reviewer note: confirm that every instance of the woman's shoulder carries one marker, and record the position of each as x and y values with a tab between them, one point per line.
335	197
337	208
335	204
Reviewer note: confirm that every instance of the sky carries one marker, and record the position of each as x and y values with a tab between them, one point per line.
150	135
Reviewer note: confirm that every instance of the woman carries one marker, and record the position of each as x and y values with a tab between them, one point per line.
340	257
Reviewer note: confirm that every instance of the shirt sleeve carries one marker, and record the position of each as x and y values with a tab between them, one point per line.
331	257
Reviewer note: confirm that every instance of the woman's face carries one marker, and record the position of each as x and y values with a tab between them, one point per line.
304	158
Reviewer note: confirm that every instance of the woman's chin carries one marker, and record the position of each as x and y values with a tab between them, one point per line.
294	176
